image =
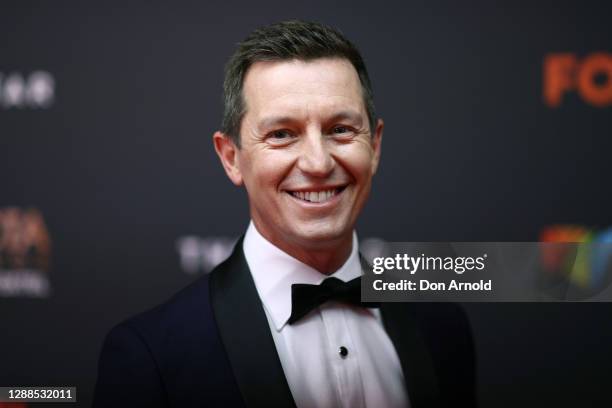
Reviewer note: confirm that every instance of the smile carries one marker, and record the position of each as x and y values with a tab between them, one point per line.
316	196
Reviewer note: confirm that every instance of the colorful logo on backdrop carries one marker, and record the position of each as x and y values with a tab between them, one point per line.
589	76
25	253
587	264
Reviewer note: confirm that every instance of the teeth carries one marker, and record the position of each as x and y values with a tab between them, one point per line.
314	196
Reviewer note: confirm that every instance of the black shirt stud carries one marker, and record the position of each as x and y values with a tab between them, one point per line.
343	351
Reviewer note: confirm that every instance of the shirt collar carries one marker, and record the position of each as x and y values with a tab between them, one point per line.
274	271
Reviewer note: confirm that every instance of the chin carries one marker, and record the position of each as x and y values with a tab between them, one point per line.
322	234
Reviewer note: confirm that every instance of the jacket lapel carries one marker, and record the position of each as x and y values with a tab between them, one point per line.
415	357
245	332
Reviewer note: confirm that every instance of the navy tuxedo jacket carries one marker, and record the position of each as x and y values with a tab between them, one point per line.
210	345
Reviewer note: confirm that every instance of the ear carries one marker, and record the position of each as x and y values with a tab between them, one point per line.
376	144
228	154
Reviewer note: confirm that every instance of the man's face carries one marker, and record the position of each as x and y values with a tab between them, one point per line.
307	156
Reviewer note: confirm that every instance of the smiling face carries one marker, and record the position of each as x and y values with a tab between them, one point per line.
307	153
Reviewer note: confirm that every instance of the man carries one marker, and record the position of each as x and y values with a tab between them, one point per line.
300	134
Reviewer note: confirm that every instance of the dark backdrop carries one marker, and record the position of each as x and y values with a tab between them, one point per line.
120	164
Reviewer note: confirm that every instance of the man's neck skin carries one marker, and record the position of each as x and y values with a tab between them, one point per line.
326	257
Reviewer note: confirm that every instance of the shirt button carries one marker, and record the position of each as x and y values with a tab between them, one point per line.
343	351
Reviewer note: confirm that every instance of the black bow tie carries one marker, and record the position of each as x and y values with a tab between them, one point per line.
305	298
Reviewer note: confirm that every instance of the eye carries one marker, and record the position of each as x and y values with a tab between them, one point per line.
342	132
280	136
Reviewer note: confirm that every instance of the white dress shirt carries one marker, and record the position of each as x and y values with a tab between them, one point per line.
369	375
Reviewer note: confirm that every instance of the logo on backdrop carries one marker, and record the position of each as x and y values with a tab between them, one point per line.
201	255
35	90
25	253
586	265
590	77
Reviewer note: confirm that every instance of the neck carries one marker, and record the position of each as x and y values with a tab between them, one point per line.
326	261
325	257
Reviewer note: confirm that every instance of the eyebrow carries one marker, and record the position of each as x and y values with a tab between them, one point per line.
273	121
347	115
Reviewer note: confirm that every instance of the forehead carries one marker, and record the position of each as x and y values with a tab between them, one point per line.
299	87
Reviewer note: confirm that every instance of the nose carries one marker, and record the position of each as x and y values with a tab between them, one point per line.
315	156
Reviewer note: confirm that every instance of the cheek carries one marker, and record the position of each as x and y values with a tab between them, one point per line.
357	159
264	170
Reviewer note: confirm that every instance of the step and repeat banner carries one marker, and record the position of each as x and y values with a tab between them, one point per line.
498	129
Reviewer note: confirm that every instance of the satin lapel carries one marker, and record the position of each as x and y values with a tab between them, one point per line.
413	353
411	346
245	332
